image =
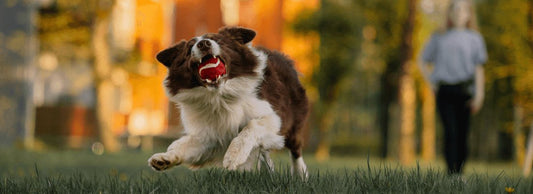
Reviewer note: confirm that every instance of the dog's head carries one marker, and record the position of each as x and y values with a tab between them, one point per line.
209	60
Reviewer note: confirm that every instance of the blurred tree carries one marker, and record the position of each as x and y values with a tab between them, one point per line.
338	24
66	26
427	107
102	70
395	25
430	18
524	90
407	152
525	78
428	134
78	30
508	76
406	88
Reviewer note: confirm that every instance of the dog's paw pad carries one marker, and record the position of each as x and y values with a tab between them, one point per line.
160	161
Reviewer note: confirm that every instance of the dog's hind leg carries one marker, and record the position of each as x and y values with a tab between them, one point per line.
294	143
261	132
265	159
299	167
298	164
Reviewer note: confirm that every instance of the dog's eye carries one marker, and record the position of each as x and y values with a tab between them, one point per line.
189	50
190	44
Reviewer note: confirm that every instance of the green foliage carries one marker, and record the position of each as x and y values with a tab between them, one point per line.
348	86
509	70
348	78
388	19
338	25
65	27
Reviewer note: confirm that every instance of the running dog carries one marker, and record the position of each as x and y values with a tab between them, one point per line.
237	103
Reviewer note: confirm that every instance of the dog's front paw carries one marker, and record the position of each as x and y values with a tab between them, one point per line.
163	161
229	163
236	154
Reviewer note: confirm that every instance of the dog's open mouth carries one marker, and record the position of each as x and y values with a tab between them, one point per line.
211	69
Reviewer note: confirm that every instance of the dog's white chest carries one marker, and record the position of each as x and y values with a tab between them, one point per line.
219	117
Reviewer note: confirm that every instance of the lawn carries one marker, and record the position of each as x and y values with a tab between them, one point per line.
127	172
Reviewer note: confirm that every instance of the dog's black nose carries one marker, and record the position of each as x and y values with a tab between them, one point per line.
203	45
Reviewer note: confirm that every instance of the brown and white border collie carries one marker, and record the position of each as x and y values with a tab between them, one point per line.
237	103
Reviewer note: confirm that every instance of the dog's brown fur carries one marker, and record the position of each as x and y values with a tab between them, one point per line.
282	89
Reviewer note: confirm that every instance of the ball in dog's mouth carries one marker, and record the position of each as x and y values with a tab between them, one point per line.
211	69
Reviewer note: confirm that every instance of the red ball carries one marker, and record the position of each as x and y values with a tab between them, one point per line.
211	69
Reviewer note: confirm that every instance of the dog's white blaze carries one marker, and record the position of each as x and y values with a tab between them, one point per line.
197	54
212	118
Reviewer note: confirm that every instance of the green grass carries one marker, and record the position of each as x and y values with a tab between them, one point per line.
84	172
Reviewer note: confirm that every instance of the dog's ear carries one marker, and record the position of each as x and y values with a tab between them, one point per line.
239	34
167	56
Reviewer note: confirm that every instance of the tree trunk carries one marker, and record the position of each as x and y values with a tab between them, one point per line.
385	101
104	87
529	155
395	122
398	91
428	124
325	122
407	150
519	136
530	24
407	90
